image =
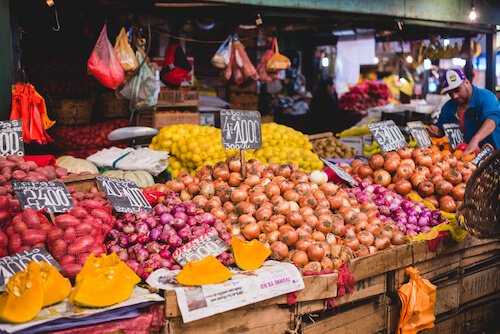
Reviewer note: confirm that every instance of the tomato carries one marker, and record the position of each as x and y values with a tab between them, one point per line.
382	177
461	146
458	192
403	187
453	176
376	161
426	189
446	203
443	187
405	152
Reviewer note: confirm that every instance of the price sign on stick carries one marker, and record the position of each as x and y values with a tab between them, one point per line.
241	129
50	195
387	135
483	154
341	173
124	195
453	132
11	137
419	133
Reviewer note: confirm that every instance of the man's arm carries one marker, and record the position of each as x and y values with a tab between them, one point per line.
486	129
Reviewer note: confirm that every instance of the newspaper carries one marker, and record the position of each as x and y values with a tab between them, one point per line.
199	248
245	287
65	310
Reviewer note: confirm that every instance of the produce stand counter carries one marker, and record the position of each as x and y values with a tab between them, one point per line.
466	274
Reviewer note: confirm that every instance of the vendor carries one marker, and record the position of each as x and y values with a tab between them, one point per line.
477	111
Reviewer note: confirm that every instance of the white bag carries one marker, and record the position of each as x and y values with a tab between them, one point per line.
223	55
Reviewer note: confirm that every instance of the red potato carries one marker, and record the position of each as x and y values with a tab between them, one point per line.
78	195
78	212
6	170
81	245
20	227
105	216
3	180
24	167
70	234
3	240
98	250
38	245
31	218
91	204
33	236
8	164
36	176
55	234
71	270
66	259
19	175
32	165
60	171
15	158
66	220
4	202
14	243
82	258
14	205
84	229
10	231
4	216
58	249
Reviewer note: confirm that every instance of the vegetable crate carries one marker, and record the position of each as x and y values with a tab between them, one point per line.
81	183
158	119
178	98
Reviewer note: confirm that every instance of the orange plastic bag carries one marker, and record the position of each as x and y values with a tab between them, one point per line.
104	64
265	76
278	61
124	52
418	298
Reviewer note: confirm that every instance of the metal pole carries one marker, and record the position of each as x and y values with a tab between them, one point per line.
5	60
491	57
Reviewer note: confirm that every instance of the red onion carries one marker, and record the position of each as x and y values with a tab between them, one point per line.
123	255
129	228
154	234
153	247
142	215
197	231
155	259
160	209
175	241
166	263
124	242
166	218
142	228
181	215
191	208
151	221
132	238
165	253
164	237
114	234
129	218
425	229
114	249
133	264
175	267
178	208
219	226
184	233
178	223
423	221
119	224
207	218
142	238
191	221
142	255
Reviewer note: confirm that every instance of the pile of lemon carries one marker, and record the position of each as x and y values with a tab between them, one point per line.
193	146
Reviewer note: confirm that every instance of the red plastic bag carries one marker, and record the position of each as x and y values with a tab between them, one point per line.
104	64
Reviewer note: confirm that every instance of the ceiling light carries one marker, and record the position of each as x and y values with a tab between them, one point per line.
344	33
427	64
472	13
375	60
446	42
325	62
409	59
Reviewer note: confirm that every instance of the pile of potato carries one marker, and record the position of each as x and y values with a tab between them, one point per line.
331	147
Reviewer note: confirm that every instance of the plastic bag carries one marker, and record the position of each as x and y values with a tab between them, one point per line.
176	66
222	57
104	64
243	62
145	87
265	76
278	62
418	298
124	52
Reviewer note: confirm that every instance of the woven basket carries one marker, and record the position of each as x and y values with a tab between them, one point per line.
73	112
112	107
479	213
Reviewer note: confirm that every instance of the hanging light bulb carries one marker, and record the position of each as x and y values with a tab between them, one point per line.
409	59
325	61
375	60
472	13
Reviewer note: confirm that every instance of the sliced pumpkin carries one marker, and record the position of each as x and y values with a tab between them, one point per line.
206	271
249	255
103	281
23	296
55	286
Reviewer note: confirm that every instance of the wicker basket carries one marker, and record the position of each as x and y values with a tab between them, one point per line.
479	213
73	112
112	107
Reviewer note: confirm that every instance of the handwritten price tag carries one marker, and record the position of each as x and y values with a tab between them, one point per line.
241	129
124	195
419	133
453	132
483	154
50	195
387	135
11	137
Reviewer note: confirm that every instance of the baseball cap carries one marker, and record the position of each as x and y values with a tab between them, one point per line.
451	79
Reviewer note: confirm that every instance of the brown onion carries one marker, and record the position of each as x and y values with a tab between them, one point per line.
303	244
300	259
294	219
318	236
289	237
278	219
329	189
176	185
316	252
282	208
311	220
246	219
284	170
214	202
244	207
273	236
306	211
272	189
291	195
279	251
268	227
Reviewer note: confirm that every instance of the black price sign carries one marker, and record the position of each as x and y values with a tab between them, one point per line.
341	173
52	196
124	195
419	133
454	134
11	137
483	154
241	129
387	135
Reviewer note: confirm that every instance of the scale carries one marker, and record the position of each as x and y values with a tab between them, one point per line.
133	136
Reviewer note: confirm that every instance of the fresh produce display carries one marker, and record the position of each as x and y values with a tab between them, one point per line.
55	287
315	227
249	255
75	165
146	241
103	281
411	218
365	95
358	130
88	137
206	271
439	179
332	147
374	148
194	146
28	229
141	178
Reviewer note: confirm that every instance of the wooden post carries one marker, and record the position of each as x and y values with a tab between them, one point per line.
243	164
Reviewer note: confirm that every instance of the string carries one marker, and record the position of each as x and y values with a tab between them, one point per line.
198	40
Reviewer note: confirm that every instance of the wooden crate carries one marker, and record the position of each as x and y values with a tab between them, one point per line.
178	98
159	119
81	183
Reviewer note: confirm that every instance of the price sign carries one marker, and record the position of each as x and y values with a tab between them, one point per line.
11	137
124	195
50	195
241	129
387	135
419	133
453	132
483	154
199	248
341	173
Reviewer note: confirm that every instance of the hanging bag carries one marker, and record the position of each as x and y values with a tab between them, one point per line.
243	62
176	66
124	52
222	57
278	62
104	64
145	87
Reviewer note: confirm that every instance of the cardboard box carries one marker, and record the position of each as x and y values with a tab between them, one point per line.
178	98
159	119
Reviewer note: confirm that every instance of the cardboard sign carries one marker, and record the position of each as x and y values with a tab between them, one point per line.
241	129
419	133
199	248
388	135
341	173
11	137
52	196
124	195
10	265
453	132
483	154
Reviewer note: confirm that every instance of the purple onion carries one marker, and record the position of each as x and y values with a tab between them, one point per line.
181	215
412	220
170	232
114	234
219	226
132	238
425	229
423	221
379	201
160	209
184	233
178	208
154	234
132	264
129	228
175	267
191	221
191	208
178	223
151	221
123	255
164	237
153	247
142	255
197	231
411	233
142	238
402	220
175	241
124	242
207	218
165	253
129	217
412	227
166	218
142	215
114	249
142	228
155	257
401	227
167	228
166	263
119	224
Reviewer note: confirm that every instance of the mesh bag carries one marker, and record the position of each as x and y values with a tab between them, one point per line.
27	230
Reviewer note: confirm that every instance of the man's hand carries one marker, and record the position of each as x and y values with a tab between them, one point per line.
471	147
435	131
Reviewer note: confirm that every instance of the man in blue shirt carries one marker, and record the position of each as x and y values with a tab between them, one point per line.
477	111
